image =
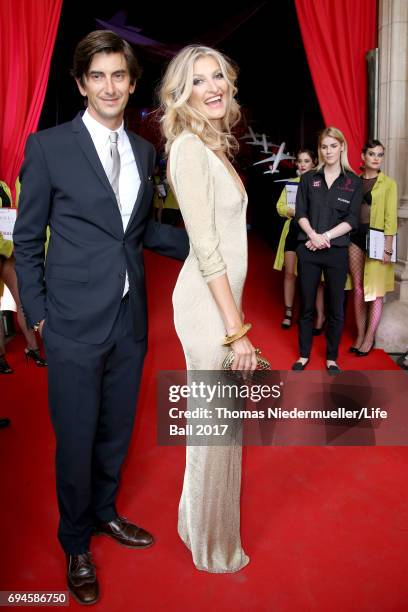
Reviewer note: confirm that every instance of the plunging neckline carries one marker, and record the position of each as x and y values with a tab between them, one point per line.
237	180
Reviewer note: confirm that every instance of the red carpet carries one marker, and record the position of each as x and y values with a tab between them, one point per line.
326	528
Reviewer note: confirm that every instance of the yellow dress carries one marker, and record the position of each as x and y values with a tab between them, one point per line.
214	211
282	208
6	246
379	277
18	189
168	202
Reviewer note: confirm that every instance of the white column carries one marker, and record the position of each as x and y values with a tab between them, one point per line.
392	333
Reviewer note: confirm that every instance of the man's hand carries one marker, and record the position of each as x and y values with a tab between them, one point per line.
40	327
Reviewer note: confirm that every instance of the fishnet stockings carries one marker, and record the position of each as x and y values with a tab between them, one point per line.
367	315
356	265
374	316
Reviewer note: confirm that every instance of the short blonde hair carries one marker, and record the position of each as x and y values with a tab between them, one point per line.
178	115
335	133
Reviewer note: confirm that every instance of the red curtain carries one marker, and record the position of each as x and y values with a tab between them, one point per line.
336	35
28	30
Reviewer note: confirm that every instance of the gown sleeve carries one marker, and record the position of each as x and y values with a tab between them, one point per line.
194	188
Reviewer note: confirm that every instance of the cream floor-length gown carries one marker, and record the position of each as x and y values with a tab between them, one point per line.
213	204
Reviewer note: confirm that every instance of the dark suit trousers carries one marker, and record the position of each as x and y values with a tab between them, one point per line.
333	263
92	395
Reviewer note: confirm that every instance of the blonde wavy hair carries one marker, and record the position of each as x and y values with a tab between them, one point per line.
177	114
335	133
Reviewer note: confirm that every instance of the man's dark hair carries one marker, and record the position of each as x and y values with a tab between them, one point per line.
103	41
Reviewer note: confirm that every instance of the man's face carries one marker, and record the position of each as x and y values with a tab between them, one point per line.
107	87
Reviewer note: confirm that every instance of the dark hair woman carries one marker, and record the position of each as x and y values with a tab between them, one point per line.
372	278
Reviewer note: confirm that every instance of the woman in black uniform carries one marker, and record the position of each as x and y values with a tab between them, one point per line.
286	251
327	209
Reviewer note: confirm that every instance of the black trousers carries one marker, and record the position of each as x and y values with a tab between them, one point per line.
92	396
334	263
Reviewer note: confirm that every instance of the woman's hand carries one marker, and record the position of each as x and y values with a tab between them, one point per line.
244	355
317	242
40	327
386	258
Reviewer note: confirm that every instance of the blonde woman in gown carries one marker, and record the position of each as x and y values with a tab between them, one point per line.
197	99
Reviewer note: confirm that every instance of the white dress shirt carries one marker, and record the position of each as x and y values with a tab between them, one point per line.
129	179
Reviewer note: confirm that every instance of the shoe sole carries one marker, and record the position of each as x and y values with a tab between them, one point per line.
143	546
83	603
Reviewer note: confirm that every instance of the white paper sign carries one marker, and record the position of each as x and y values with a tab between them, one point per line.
376	245
6	301
161	190
291	191
7	221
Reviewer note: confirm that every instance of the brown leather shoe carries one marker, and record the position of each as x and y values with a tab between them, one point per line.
125	533
81	578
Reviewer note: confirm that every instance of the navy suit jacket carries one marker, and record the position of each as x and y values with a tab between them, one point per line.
78	288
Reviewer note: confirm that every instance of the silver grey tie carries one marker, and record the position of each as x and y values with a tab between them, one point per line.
115	169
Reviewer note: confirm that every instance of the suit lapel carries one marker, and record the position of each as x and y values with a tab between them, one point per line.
142	175
86	144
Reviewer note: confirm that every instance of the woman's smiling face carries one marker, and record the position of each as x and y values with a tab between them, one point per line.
209	94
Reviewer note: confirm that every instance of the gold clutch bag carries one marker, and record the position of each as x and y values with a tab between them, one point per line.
262	362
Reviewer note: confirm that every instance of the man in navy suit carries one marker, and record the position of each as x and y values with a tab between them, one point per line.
90	181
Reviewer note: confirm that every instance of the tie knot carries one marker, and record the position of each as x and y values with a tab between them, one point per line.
113	137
